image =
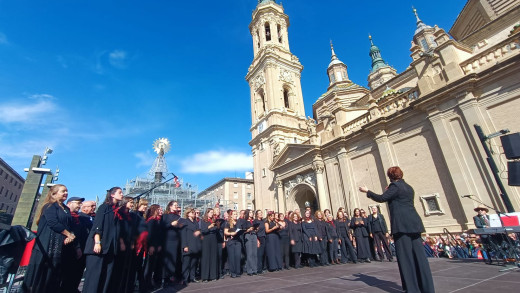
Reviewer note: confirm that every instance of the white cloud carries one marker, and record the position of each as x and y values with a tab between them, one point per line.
117	58
145	159
18	112
217	161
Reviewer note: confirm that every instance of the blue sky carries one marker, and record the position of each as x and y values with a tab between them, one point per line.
99	81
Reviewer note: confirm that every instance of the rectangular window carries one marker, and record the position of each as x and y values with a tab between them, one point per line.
431	204
424	44
235	195
263	172
235	184
249	206
248	186
235	206
249	195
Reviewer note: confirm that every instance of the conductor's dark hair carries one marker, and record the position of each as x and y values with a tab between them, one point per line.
394	173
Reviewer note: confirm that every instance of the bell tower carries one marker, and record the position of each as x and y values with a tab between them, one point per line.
277	110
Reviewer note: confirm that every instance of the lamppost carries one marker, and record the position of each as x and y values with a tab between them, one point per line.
494	169
29	197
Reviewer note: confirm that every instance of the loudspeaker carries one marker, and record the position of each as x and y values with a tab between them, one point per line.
511	145
513	169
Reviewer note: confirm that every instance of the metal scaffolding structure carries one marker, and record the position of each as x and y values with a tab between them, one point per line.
185	194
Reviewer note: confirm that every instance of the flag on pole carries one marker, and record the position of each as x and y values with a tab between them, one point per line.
177	183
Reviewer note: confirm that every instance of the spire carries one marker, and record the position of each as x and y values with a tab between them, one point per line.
332	49
334	59
416	15
375	54
420	24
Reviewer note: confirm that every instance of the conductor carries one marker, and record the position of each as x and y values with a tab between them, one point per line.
407	227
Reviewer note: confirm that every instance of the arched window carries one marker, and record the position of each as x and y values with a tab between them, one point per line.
279	30
267	32
262	100
257	39
286	98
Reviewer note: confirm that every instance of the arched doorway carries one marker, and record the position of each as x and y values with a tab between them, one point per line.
303	195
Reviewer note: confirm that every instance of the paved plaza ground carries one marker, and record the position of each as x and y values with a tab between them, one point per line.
449	276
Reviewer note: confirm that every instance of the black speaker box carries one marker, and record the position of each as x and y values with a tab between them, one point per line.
511	145
513	169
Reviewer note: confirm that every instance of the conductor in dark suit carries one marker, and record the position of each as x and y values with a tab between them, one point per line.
406	227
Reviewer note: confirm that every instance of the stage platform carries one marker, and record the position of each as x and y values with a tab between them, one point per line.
450	275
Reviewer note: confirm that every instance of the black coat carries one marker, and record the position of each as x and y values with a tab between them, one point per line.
106	225
155	233
188	239
322	231
403	216
342	228
331	230
172	233
295	233
375	221
44	272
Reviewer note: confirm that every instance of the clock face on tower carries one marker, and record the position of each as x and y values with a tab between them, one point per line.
261	126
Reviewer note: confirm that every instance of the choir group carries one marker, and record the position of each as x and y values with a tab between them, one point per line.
125	243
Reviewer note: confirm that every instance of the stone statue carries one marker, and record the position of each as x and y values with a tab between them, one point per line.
311	126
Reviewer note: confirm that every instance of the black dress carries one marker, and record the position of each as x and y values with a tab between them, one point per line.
44	273
358	224
310	244
172	246
100	267
272	249
209	258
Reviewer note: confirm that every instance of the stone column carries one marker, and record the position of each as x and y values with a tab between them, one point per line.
281	197
461	182
385	149
318	166
344	178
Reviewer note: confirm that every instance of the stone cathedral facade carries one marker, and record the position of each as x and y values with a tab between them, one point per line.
421	119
